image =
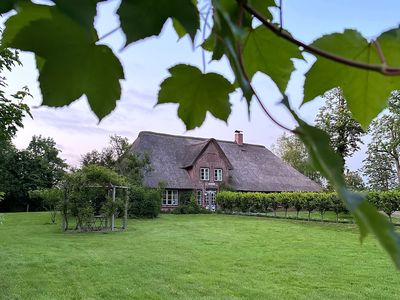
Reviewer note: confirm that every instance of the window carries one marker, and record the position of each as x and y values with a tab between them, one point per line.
199	197
204	173
170	197
217	174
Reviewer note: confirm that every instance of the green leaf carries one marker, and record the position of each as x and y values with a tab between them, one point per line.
27	13
6	5
70	63
264	51
144	18
82	11
180	31
196	94
366	92
228	36
262	7
328	162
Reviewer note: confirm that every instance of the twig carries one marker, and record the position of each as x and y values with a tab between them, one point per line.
109	33
380	52
390	71
280	15
204	37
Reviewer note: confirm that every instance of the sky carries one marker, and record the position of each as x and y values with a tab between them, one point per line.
76	129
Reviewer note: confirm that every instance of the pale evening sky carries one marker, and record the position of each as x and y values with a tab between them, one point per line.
76	130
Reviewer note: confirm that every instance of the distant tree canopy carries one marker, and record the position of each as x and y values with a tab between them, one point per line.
336	120
292	150
382	165
116	156
21	171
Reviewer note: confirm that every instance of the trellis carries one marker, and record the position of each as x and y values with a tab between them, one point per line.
100	222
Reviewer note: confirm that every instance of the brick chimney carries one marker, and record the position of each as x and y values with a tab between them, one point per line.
239	137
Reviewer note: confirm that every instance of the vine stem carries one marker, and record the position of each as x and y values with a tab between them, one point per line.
383	69
246	76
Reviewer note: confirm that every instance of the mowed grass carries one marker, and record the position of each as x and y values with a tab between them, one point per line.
192	257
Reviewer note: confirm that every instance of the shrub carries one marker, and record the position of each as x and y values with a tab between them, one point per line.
189	205
144	202
337	205
389	202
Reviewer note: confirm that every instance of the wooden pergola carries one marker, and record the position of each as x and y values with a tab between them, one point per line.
99	223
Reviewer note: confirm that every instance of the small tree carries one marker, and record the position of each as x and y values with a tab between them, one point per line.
297	203
337	205
390	202
284	200
323	202
310	203
51	198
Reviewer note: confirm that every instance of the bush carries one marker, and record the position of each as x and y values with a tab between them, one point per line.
256	202
188	204
144	202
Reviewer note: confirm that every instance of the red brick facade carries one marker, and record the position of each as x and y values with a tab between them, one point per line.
211	158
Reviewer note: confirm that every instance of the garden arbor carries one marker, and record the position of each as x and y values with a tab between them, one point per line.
94	197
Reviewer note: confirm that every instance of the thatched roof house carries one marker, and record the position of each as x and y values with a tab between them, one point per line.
203	165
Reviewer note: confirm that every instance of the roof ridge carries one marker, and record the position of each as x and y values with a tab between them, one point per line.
195	138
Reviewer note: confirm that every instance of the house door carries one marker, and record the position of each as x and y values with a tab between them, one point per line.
210	199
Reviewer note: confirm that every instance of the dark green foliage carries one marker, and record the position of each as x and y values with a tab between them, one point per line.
12	108
87	193
387	202
144	202
188	204
21	171
118	157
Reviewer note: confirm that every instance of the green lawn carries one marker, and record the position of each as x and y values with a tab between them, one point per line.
193	256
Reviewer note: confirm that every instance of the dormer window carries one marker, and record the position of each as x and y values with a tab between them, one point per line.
217	174
204	174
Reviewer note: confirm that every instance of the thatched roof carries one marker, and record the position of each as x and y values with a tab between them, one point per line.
254	167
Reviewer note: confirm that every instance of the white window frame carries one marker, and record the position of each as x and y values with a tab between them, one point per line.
218	174
205	174
170	197
199	197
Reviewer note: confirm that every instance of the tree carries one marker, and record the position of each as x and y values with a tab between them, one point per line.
71	60
336	120
117	156
379	169
292	150
21	171
12	108
383	156
354	180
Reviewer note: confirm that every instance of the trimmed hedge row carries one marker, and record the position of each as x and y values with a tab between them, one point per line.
388	202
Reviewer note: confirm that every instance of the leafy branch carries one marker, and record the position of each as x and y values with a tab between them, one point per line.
383	68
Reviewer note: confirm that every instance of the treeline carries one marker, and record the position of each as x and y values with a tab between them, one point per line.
388	202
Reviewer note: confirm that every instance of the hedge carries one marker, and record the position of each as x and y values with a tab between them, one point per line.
251	202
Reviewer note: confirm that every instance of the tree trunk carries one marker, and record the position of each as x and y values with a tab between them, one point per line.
398	170
309	215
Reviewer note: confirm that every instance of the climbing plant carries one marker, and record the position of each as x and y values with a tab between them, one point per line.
72	62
